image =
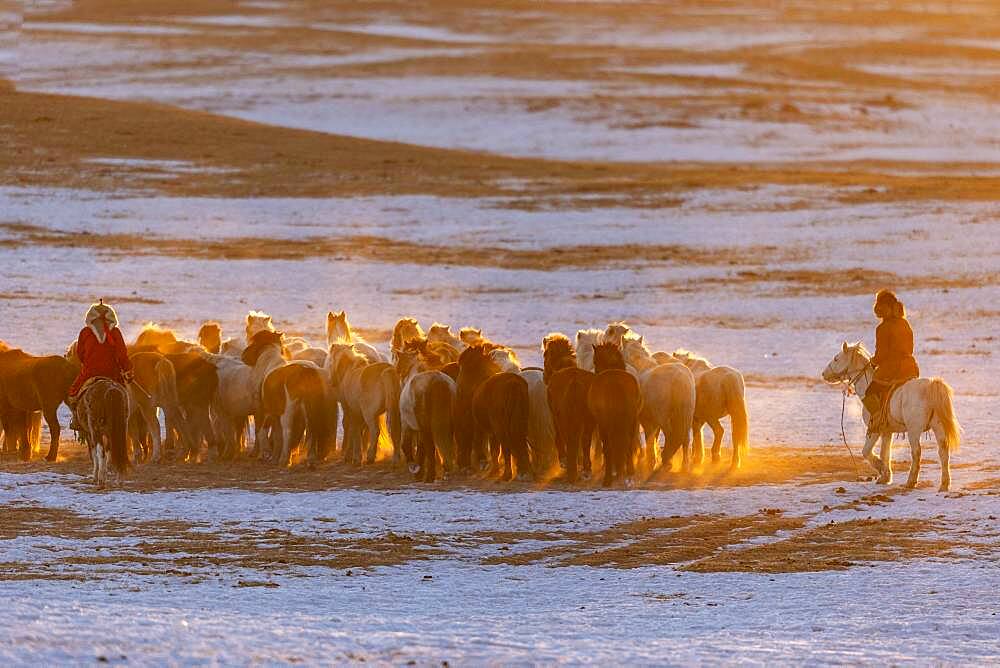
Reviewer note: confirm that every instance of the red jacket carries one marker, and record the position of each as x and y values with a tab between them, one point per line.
108	359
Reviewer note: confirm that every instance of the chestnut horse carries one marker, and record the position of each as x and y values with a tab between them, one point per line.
197	387
614	400
28	384
499	402
155	386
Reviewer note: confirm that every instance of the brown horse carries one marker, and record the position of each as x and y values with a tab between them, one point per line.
28	384
557	353
155	386
293	403
197	386
568	389
499	409
103	411
614	401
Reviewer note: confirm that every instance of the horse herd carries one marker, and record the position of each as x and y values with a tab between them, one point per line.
446	403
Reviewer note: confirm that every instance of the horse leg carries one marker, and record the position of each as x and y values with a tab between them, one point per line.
374	429
651	434
586	440
886	456
609	460
944	454
915	453
52	420
869	455
573	443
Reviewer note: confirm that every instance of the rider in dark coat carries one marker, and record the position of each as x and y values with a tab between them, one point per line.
893	361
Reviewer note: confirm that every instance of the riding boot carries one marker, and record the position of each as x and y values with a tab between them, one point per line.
873	404
74	424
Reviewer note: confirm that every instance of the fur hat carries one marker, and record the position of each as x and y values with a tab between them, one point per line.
888	299
101	319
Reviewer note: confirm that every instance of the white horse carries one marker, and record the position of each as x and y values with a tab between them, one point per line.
720	391
586	339
239	390
338	330
668	402
919	405
442	334
426	404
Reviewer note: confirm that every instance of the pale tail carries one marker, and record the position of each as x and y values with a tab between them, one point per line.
736	404
941	394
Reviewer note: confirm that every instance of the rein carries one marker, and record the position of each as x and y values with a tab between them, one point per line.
849	387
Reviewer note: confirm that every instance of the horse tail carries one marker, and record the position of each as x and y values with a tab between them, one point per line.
439	403
736	406
118	429
941	406
34	429
390	394
680	418
313	397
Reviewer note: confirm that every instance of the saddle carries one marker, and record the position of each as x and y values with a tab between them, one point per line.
881	420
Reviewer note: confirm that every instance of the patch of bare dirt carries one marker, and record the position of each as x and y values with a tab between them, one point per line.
185	549
383	249
853	281
837	546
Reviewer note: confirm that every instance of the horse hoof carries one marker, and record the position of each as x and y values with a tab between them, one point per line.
629	483
585	476
523	477
51	458
414	469
944	488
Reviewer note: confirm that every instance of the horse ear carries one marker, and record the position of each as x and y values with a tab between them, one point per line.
249	318
341	315
641	339
845	346
329	315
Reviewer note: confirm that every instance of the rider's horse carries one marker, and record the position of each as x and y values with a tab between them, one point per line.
103	411
919	405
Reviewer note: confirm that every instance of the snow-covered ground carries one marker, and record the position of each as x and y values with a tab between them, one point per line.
166	576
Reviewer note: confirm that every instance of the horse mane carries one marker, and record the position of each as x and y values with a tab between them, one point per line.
421	347
4	346
559	343
683	354
607	355
478	355
154	334
442	333
258	343
210	332
406	323
860	347
254	316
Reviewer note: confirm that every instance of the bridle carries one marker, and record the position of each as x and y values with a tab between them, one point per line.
849	388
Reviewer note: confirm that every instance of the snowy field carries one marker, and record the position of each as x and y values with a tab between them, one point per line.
825	153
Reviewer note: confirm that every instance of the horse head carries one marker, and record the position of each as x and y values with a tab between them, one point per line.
470	336
258	321
337	327
210	336
848	362
608	355
557	353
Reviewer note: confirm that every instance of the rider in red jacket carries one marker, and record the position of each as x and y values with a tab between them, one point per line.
101	350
